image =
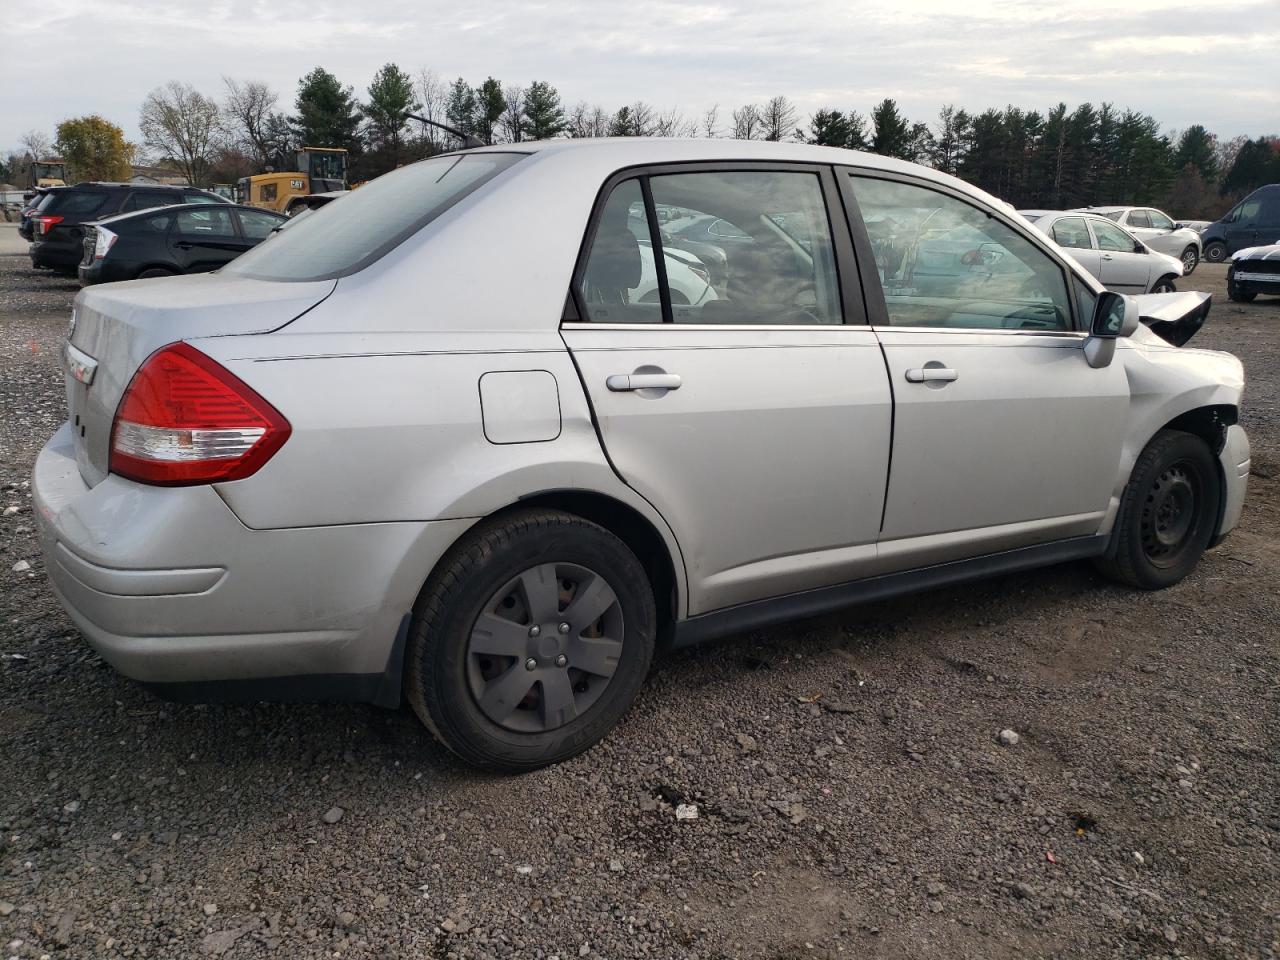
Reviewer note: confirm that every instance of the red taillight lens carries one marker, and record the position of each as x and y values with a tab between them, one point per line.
185	419
43	223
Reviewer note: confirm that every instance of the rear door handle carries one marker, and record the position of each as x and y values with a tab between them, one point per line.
184	245
924	374
619	382
1107	256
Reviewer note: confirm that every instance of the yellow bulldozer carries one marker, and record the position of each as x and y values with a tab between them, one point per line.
319	170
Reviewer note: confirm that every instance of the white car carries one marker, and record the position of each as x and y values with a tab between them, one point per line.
1118	259
1159	231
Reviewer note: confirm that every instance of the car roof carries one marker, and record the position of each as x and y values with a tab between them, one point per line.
116	185
130	214
600	153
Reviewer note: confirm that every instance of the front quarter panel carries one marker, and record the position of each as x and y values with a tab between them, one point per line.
1166	382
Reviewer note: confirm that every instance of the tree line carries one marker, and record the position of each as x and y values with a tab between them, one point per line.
1053	159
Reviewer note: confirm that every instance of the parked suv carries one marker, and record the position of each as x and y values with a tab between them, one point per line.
1252	222
1158	231
430	440
58	221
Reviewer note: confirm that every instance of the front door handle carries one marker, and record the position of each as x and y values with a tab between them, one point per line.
184	245
1107	256
925	374
643	381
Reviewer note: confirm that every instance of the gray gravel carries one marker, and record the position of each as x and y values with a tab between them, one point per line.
853	793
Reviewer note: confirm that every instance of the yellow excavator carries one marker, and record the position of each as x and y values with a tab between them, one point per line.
319	170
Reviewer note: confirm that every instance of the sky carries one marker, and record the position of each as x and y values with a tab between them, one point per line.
1182	61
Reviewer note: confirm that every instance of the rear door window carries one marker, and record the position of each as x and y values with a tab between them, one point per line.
145	199
204	224
341	239
1072	232
1139	218
620	282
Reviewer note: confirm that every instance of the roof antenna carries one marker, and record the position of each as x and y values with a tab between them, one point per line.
468	141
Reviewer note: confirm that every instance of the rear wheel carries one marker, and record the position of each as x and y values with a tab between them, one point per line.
155	272
530	641
1215	251
1164	285
1190	260
1167	514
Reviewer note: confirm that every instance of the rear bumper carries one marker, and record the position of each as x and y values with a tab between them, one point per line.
1235	460
54	253
172	589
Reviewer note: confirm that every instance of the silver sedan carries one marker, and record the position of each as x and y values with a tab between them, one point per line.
1159	231
1120	260
438	441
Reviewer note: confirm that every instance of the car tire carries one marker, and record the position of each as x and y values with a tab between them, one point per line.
511	698
1215	251
1164	285
156	272
1168	513
1190	260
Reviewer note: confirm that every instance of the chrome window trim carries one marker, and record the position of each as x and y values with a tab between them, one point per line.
821	328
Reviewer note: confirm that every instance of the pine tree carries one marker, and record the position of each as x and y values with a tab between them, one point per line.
391	96
543	113
1196	147
490	104
891	135
328	115
460	107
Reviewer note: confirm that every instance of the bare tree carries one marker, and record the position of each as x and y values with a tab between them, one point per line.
643	119
180	122
35	145
711	122
512	119
587	120
433	93
246	112
674	124
747	124
778	119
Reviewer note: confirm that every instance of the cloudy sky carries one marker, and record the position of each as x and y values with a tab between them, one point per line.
1183	61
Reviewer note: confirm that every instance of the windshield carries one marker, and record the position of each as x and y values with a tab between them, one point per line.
340	239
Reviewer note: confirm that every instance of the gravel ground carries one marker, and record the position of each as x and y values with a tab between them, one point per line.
853	796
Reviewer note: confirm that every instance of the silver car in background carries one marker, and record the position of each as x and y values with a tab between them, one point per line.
438	440
1160	232
1118	259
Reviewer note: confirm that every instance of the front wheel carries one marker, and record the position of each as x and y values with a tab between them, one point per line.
1164	285
530	641
1215	251
1167	514
1237	293
1190	260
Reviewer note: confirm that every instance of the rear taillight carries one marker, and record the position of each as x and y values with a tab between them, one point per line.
185	419
44	223
106	240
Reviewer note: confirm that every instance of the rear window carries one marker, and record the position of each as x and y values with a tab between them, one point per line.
342	238
74	202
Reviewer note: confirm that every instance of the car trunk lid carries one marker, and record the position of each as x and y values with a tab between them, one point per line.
115	327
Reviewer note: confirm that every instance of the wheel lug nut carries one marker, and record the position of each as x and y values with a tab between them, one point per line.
564	628
561	660
531	664
535	630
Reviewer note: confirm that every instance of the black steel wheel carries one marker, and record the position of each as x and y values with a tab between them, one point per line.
1215	251
1168	513
530	640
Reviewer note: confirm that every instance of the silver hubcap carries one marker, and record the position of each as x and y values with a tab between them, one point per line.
544	647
